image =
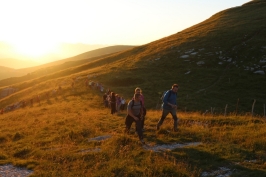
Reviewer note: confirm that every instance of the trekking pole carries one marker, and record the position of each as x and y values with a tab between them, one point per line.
253	107
225	109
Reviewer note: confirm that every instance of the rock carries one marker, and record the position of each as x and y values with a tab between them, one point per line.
200	63
259	72
184	56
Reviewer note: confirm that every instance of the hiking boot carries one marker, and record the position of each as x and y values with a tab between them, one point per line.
142	141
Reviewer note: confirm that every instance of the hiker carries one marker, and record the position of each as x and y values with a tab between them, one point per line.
86	82
113	103
38	99
139	91
31	102
118	103
134	114
123	102
105	101
73	84
169	106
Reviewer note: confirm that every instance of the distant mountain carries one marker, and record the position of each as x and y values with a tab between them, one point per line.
219	64
15	63
10	57
62	64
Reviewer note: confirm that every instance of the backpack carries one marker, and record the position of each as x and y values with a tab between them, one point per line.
162	97
133	104
143	109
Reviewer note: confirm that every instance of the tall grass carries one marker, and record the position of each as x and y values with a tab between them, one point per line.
53	140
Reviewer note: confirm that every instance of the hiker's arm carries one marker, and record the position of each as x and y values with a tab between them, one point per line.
132	115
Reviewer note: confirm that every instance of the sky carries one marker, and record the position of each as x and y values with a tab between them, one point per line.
35	28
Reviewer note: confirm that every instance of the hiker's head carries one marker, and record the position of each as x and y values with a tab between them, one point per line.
136	96
138	90
175	87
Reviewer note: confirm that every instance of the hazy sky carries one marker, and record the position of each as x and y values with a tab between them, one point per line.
37	26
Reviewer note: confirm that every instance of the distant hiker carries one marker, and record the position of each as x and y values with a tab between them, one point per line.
113	103
23	103
38	99
118	103
47	94
108	91
139	91
105	101
134	114
86	82
169	106
123	103
101	88
54	92
73	84
31	101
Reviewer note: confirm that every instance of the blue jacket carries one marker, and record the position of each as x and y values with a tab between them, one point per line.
169	97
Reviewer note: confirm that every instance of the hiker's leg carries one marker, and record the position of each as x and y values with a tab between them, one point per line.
173	112
139	129
129	120
142	122
113	107
164	114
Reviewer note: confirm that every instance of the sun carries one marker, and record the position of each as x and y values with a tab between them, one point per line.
34	48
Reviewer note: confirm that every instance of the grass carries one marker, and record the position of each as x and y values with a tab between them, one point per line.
53	140
52	137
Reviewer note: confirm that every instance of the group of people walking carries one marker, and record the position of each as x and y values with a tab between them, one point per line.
136	110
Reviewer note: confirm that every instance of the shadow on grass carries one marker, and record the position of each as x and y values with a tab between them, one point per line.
211	163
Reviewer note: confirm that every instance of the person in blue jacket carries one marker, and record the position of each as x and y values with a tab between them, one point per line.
169	106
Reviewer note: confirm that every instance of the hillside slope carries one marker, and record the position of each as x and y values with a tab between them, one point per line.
218	63
19	75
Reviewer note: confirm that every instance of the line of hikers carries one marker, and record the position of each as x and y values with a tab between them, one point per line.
30	101
136	110
52	93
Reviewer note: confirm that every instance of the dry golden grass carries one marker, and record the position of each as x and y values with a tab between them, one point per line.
53	139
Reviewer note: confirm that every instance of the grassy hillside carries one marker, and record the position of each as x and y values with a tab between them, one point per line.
72	134
214	62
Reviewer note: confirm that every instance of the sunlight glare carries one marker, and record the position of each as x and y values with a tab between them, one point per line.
34	48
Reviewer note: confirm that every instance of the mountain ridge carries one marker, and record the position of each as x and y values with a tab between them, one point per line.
211	61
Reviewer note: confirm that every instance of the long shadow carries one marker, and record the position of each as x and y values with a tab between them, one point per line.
209	162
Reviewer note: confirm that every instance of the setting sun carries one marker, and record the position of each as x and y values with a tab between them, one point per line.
34	48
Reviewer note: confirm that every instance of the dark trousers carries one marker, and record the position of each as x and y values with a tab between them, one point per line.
143	119
130	120
113	108
164	114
